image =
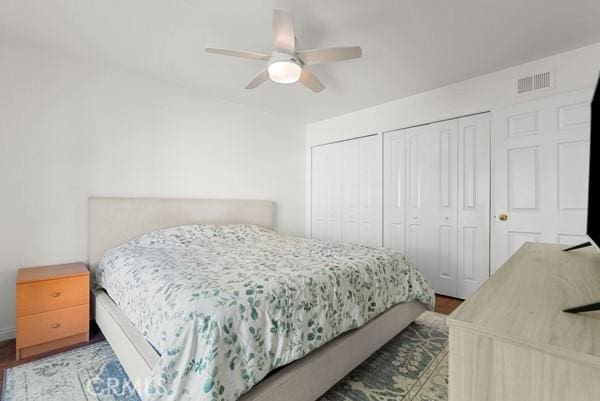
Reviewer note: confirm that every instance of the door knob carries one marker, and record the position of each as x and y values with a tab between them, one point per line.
503	217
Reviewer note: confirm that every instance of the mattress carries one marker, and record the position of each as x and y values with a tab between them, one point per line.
226	305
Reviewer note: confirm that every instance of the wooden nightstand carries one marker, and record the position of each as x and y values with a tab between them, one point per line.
53	308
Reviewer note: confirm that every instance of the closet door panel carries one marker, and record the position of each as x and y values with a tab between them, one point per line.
333	190
370	191
420	235
318	193
443	213
474	203
350	191
394	189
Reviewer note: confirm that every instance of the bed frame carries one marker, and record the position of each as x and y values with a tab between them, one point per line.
114	221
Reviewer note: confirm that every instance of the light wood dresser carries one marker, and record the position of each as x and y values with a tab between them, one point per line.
512	342
52	308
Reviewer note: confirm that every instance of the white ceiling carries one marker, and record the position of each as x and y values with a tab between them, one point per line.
409	46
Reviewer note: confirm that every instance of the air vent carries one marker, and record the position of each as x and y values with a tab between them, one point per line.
533	83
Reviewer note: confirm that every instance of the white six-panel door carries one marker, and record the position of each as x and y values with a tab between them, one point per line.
541	152
346	191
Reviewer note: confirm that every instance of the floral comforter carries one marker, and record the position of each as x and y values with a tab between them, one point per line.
225	305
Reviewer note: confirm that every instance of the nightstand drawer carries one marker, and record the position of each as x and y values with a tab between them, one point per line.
42	296
49	326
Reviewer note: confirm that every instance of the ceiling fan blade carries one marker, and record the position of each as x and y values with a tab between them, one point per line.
258	80
320	56
239	53
310	80
283	31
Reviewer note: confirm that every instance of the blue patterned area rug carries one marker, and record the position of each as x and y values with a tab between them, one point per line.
413	366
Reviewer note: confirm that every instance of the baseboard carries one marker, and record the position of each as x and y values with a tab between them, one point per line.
8	334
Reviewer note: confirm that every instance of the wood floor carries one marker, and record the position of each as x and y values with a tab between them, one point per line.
443	305
446	305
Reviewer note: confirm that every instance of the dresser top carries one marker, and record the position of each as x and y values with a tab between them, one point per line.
523	302
43	273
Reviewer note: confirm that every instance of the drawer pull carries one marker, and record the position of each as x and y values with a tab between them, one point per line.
55	294
55	325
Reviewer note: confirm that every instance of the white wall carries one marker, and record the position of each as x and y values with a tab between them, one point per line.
573	70
70	129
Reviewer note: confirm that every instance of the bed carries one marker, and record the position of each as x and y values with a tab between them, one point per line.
337	311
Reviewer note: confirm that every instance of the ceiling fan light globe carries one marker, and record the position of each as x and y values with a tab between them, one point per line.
284	72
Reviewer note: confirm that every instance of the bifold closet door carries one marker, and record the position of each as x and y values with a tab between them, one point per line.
420	200
326	221
361	191
436	201
346	191
431	206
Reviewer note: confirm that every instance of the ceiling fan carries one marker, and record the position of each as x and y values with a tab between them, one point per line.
286	65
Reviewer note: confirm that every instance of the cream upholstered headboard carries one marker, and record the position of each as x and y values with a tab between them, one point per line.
114	221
